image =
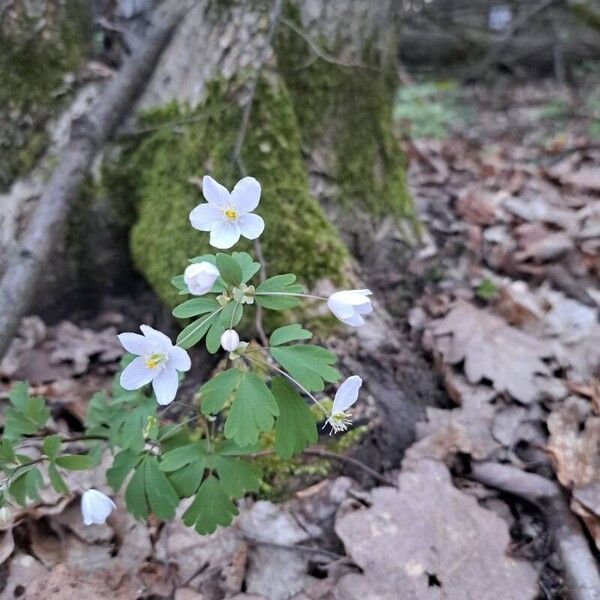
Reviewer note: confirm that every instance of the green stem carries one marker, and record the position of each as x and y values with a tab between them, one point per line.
290	294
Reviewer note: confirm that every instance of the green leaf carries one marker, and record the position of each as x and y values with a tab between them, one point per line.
247	265
51	445
135	494
213	337
232	314
289	333
7	451
18	489
187	479
33	482
58	483
19	396
252	411
26	415
279	285
216	392
295	428
74	462
195	307
179	457
177	282
309	365
229	269
123	462
210	258
236	476
195	331
162	497
210	508
230	448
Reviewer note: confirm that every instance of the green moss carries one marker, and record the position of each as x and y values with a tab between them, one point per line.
176	144
36	51
349	110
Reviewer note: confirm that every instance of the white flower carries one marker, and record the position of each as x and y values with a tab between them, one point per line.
230	340
157	361
200	277
228	215
345	397
349	306
95	507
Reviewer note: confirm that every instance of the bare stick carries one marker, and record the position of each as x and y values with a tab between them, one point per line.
581	570
88	134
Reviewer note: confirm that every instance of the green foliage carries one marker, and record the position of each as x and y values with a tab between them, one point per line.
25	415
309	365
270	293
486	289
295	428
289	333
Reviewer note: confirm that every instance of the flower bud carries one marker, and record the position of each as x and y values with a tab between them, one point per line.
95	507
200	277
230	340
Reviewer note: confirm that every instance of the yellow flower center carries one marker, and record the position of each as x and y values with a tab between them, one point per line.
230	214
154	360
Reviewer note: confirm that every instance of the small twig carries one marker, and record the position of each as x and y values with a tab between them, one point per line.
322	54
581	570
295	547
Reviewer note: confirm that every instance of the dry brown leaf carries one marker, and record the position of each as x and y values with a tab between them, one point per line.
7	544
585	178
493	350
573	443
428	541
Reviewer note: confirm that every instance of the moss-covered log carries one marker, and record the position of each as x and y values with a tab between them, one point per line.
340	114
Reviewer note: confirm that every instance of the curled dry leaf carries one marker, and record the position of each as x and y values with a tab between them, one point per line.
428	541
493	350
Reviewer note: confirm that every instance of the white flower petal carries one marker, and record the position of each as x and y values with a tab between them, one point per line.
136	374
223	234
245	196
230	340
165	385
251	225
354	321
215	193
204	215
200	277
154	334
180	359
339	308
133	342
95	507
347	394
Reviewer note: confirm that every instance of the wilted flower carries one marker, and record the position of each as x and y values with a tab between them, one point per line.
230	340
200	277
228	215
345	397
95	507
350	306
157	361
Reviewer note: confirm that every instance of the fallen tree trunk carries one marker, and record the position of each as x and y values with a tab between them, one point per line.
18	285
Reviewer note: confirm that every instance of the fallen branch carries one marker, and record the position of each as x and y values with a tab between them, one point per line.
88	134
581	570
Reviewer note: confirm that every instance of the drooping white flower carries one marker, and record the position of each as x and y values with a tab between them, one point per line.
349	306
200	277
228	215
230	340
95	507
157	361
345	397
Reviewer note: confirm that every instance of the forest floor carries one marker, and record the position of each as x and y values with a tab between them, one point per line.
503	296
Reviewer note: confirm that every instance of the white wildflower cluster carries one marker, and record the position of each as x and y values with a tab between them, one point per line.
227	216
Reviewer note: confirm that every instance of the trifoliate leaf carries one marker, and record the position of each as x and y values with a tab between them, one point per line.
132	431
195	331
179	457
230	270
210	508
187	479
271	293
295	428
216	392
289	333
309	365
135	494
236	476
51	445
195	307
162	497
74	462
19	396
26	415
58	483
252	411
247	265
123	462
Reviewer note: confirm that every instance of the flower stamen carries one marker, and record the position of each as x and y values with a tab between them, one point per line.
230	214
154	360
338	421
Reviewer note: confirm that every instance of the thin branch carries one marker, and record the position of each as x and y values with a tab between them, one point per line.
322	54
581	570
294	547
